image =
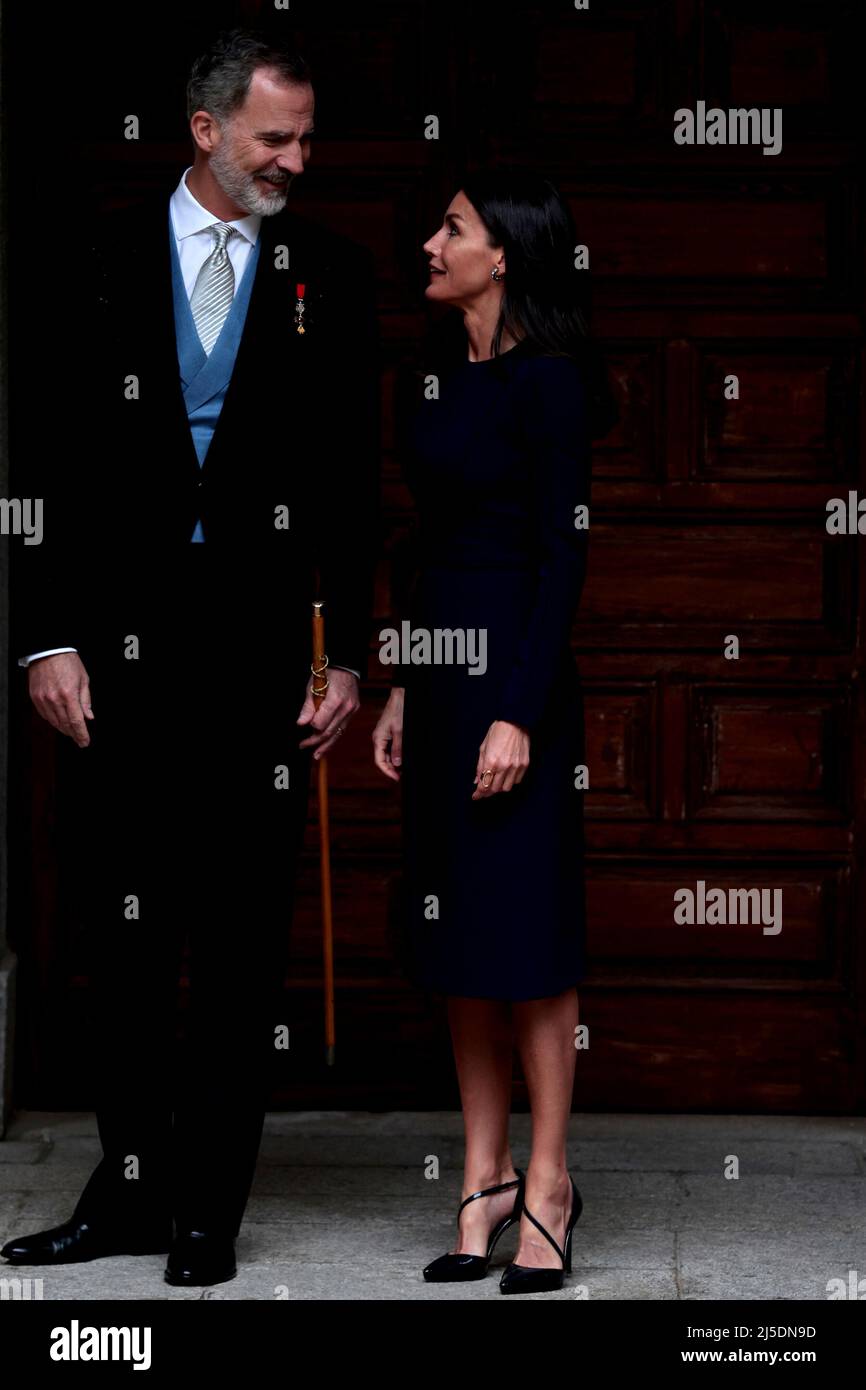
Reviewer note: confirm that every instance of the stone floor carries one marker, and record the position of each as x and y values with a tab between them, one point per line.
342	1208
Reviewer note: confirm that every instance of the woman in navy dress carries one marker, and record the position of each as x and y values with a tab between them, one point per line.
485	731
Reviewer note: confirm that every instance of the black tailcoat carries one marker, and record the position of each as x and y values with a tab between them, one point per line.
187	828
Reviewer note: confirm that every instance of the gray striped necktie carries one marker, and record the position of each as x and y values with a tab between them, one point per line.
214	289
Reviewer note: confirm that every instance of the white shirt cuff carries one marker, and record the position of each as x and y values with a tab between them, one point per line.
52	651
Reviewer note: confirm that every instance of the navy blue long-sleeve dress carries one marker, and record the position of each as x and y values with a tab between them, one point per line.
492	899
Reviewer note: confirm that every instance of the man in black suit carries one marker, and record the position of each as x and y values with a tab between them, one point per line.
216	448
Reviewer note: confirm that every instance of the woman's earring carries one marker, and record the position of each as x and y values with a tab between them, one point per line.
495	273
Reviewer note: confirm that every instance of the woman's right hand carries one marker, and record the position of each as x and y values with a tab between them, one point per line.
388	736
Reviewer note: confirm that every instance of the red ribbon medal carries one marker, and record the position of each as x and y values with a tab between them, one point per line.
300	308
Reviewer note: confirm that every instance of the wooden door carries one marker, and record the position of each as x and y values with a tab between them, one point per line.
709	262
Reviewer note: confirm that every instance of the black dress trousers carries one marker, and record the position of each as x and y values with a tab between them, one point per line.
192	840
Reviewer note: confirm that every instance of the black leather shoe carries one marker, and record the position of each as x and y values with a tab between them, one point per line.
528	1279
197	1258
77	1240
451	1268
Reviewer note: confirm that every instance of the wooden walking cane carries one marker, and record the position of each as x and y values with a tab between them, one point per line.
317	690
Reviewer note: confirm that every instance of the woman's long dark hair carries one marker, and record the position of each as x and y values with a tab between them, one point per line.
546	300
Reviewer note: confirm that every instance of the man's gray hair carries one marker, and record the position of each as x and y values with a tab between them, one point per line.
220	78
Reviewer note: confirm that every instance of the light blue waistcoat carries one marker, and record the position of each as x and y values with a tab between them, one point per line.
205	379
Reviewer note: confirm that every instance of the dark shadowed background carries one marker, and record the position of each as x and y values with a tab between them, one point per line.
708	514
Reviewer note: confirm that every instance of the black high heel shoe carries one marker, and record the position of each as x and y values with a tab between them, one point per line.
454	1268
525	1278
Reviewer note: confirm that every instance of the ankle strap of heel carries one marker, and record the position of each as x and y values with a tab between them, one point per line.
491	1191
569	1224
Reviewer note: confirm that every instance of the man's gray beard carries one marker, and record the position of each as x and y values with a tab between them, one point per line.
242	188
